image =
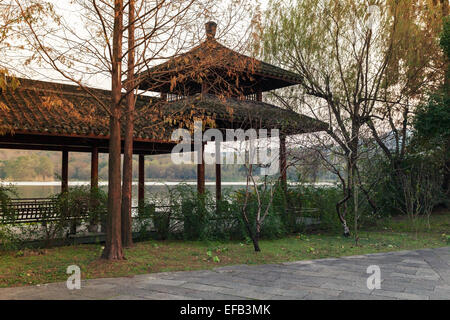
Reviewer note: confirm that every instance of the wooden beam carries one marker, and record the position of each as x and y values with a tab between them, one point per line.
65	171
141	183
94	168
77	144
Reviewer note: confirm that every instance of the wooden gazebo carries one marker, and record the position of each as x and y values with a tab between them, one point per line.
41	115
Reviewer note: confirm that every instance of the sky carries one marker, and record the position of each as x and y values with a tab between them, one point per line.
70	14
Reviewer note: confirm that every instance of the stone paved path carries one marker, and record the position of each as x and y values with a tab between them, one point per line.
420	274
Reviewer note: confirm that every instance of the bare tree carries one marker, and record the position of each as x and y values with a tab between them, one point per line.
100	41
98	51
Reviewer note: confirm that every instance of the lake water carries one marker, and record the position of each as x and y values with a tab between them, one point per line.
31	189
27	189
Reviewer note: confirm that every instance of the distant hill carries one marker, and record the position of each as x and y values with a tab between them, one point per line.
23	165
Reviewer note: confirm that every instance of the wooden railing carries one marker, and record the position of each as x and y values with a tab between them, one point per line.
29	210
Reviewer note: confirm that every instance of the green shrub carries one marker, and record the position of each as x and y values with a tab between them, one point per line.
146	211
9	239
81	200
6	194
79	204
196	217
224	221
323	200
195	209
274	224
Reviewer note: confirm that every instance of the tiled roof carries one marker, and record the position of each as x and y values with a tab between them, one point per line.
231	112
64	110
210	54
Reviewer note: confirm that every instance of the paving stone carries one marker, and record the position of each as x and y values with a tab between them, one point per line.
347	287
319	296
167	282
399	295
345	295
420	274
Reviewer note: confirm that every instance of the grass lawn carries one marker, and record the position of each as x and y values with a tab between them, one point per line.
29	267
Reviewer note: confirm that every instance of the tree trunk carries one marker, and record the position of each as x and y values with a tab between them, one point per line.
113	246
255	238
127	236
255	241
342	213
355	205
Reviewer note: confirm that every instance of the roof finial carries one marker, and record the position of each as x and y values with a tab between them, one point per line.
210	28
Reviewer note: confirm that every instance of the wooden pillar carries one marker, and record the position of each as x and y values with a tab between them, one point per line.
93	225
259	96
218	182
94	168
65	187
201	172
65	171
218	173
283	162
141	183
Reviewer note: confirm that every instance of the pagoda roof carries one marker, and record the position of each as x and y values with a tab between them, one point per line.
38	113
214	59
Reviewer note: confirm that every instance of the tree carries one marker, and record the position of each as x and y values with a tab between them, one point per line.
94	47
258	196
432	120
98	50
360	65
127	238
113	244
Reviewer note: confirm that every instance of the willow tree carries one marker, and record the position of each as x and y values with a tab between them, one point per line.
432	119
363	63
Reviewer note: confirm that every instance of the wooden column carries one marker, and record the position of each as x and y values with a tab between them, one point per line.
93	225
218	173
201	172
65	187
283	162
218	182
65	171
141	183
94	168
259	96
